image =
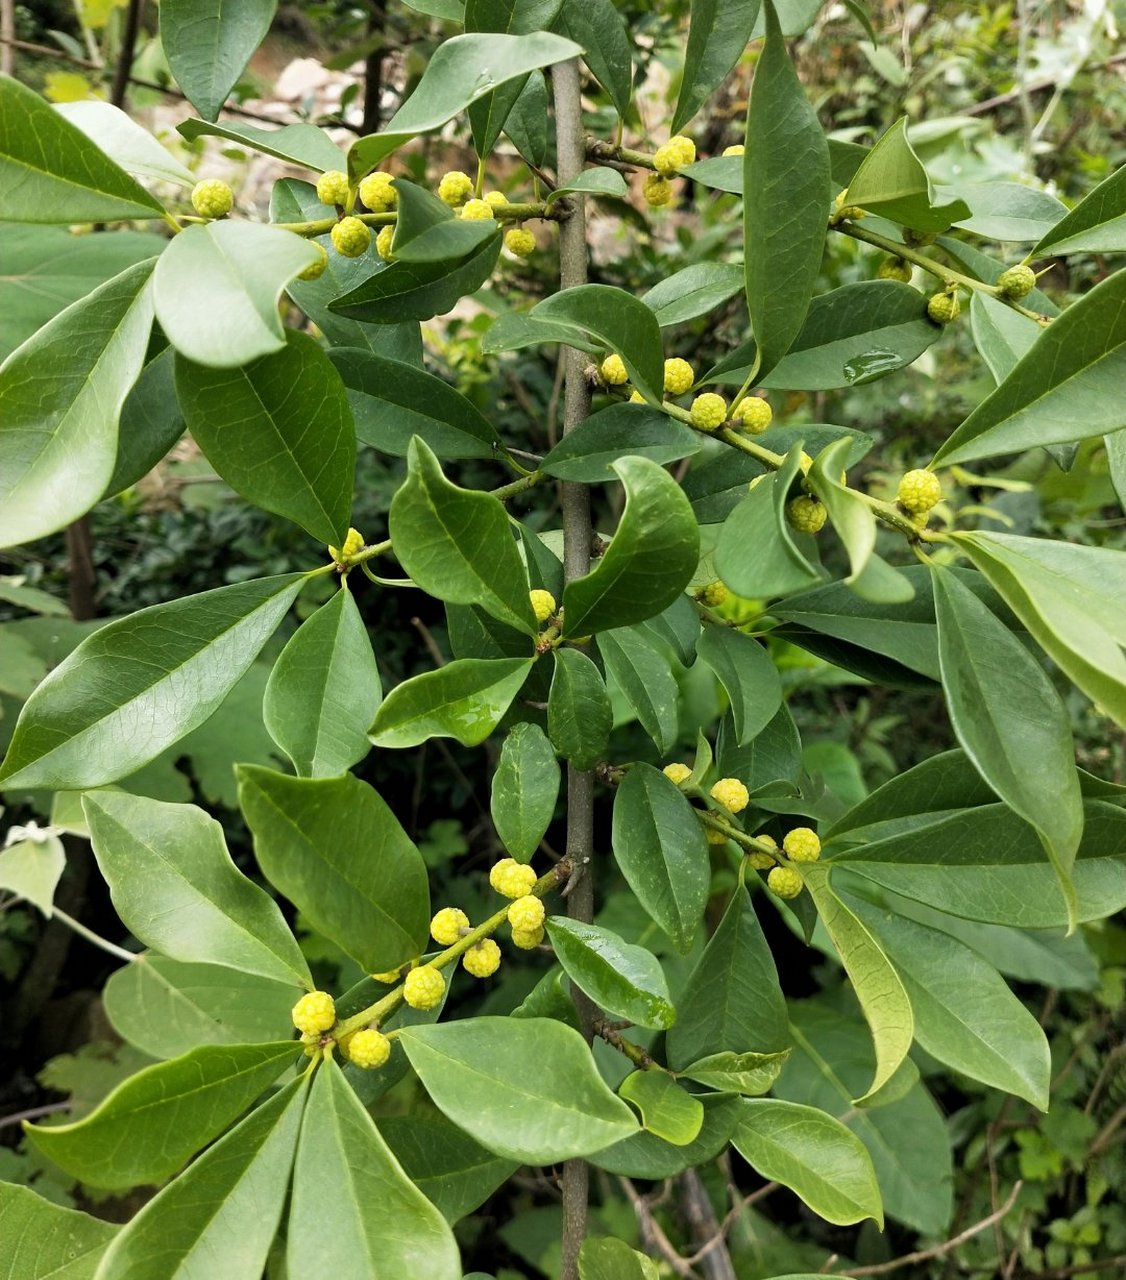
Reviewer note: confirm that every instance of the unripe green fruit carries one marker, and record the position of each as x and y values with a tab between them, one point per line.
613	371
424	987
712	836
753	414
679	376
736	149
314	1013
332	187
732	794
377	192
714	594
543	604
477	210
762	861
708	412
657	190
919	490
383	243
526	940
520	242
806	514
447	925
212	198
316	268
943	307
511	878
784	882
351	238
368	1048
455	187
483	959
802	845
895	269
1017	282
677	773
526	913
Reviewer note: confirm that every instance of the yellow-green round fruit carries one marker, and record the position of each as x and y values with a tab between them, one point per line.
332	187
526	913
353	542
383	243
802	845
753	414
351	238
314	1013
943	307
377	192
677	773
806	514
543	604
424	987
674	155
713	836
657	190
527	940
708	412
613	371
483	959
1016	282
520	242
785	882
447	925
455	187
368	1048
635	397
731	793
762	861
512	879
212	198
736	149
919	490
714	594
894	268
392	975
496	198
477	211
679	376
316	268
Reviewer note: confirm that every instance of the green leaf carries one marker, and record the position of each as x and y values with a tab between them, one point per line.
487	116
591	182
814	1155
512	330
524	790
693	291
526	125
1011	723
601	31
719	33
579	715
208	46
166	1008
461	70
306	145
588	453
175	887
227	1205
751	1074
344	1170
887	1010
667	1109
151	423
526	1088
965	1015
639	666
646	1156
338	853
651	559
1065	388
1002	336
1009	210
428	230
51	172
785	151
137	685
279	431
40	1240
745	670
892	182
659	847
619	977
153	1122
465	699
216	290
125	142
61	395
324	691
32	868
456	543
732	1001
1097	224
602	1258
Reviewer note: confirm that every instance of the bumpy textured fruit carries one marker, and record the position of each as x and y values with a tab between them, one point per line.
368	1048
447	925
714	594
843	210
919	490
943	307
784	882
895	269
543	604
806	514
377	192
677	773
353	542
496	198
731	793
316	268
424	987
1016	282
762	861
351	237
520	242
753	414
679	376
736	149
314	1013
713	836
708	412
526	940
483	959
526	913
455	188
675	154
212	198
802	845
383	243
613	371
392	975
332	187
657	190
511	878
477	210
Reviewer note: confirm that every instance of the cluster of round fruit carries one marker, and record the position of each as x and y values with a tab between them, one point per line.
708	411
668	160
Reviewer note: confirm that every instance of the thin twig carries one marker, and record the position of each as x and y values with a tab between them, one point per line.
1078	1269
652	1229
111	948
33	1113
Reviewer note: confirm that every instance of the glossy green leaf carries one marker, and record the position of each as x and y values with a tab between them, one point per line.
216	290
456	543
40	1240
512	330
306	145
892	182
526	1088
751	1074
666	1108
588	453
151	423
150	1125
343	1171
745	670
524	790
1002	336
61	395
718	35
125	141
814	1155
732	1002
174	885
785	151
591	182
1011	723
324	691
602	1258
649	562
646	1156
32	868
1065	388
579	715
137	685
601	32
208	46
166	1007
677	628
693	291
227	1205
338	853
887	1009
428	230
51	172
619	977
659	847
526	125
639	665
1097	224
279	431
1009	211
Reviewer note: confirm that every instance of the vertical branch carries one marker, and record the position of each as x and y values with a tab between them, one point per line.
7	35
373	68
124	65
576	562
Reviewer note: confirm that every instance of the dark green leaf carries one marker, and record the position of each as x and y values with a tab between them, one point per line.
775	755
639	666
647	1156
151	423
1009	210
591	182
719	33
892	182
306	145
524	790
1002	336
667	1109
526	125
588	453
40	1240
208	46
619	977
579	716
693	291
428	230
745	670
607	1259
1097	224
601	32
